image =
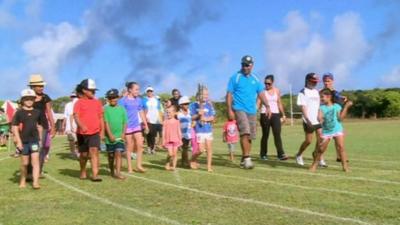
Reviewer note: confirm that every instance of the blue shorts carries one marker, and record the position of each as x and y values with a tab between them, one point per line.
30	147
117	147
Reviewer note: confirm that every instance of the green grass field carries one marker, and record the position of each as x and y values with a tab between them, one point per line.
272	193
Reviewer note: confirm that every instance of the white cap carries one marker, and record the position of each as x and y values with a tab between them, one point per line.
184	100
28	93
149	88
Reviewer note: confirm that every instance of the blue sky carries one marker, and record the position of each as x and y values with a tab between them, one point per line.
170	44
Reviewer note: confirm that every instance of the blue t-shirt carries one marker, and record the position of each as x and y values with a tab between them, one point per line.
331	124
133	106
186	125
202	127
244	90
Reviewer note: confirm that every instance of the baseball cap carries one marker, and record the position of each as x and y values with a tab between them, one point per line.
88	84
112	93
184	100
313	77
327	75
247	60
27	93
149	88
73	94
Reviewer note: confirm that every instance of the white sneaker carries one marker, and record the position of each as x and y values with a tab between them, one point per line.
248	164
322	163
133	155
299	160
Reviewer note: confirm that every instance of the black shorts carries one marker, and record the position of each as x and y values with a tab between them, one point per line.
185	143
312	129
88	141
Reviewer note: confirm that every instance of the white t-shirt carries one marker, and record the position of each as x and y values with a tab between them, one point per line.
154	110
68	112
311	100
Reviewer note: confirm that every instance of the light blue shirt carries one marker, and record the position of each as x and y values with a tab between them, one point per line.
331	124
186	125
244	90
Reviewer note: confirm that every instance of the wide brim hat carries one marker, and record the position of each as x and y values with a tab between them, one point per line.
36	80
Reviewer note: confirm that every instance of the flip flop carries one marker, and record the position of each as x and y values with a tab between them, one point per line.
96	179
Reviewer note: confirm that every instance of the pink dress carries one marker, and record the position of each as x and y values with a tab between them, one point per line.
171	133
231	132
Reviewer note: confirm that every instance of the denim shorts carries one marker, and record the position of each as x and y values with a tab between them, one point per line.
117	147
30	147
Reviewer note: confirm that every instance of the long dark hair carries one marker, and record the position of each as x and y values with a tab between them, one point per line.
269	77
327	91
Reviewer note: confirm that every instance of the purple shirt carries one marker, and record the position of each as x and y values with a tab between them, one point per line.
132	106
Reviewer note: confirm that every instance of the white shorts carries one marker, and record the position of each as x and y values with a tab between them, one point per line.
330	136
203	137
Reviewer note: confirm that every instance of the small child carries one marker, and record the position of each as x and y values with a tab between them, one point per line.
172	138
27	130
88	115
115	120
231	137
203	113
185	119
331	115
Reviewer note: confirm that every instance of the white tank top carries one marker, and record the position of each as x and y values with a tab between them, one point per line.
273	102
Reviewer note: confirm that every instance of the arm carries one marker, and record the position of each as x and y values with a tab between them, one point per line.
343	113
108	132
18	140
258	104
264	101
49	112
305	115
280	105
81	126
143	117
320	117
229	99
40	130
102	129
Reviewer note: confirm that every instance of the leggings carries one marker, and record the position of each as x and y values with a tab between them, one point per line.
154	129
266	124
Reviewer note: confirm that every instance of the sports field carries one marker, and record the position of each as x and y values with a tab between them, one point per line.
272	193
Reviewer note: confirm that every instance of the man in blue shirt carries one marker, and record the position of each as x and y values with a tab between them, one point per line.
243	89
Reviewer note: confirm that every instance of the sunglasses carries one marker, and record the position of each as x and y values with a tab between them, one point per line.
246	65
268	83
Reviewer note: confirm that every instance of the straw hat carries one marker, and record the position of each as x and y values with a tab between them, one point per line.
36	79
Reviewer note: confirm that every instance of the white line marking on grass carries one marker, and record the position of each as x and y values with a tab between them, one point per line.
251	201
290	185
329	175
7	157
117	205
177	177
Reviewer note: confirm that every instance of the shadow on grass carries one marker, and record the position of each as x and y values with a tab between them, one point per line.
275	163
15	177
76	172
66	155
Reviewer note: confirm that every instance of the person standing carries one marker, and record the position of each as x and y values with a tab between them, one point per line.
69	125
309	101
154	115
176	95
43	104
4	128
243	89
273	95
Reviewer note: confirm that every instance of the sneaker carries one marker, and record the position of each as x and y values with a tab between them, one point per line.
242	163
248	164
299	160
153	151
133	155
322	163
265	158
283	158
148	151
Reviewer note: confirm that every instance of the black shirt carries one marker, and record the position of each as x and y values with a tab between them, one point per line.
175	102
41	106
27	121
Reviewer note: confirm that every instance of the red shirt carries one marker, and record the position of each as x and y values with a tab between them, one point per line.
231	132
89	112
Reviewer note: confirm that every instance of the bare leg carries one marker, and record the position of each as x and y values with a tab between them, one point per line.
245	143
24	170
83	157
209	155
129	150
138	142
193	163
169	157
321	149
307	141
111	156
174	157
35	169
94	160
342	153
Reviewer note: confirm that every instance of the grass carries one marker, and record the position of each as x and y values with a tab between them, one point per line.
273	193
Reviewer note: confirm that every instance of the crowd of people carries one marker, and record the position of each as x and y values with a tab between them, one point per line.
180	124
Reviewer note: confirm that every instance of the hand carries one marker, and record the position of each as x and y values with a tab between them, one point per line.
269	114
83	128
283	119
53	132
112	138
123	137
102	136
348	104
20	146
309	124
231	115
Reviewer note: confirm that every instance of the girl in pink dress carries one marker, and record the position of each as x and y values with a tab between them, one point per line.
172	138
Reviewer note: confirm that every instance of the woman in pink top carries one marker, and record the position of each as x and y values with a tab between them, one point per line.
275	106
172	138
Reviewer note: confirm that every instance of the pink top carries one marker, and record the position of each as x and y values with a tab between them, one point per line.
172	132
273	102
231	132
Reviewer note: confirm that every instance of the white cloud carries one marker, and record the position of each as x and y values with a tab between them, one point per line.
298	50
392	79
47	52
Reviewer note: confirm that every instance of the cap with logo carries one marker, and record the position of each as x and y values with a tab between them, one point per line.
149	88
36	80
184	100
88	84
112	93
327	75
247	60
27	93
313	77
